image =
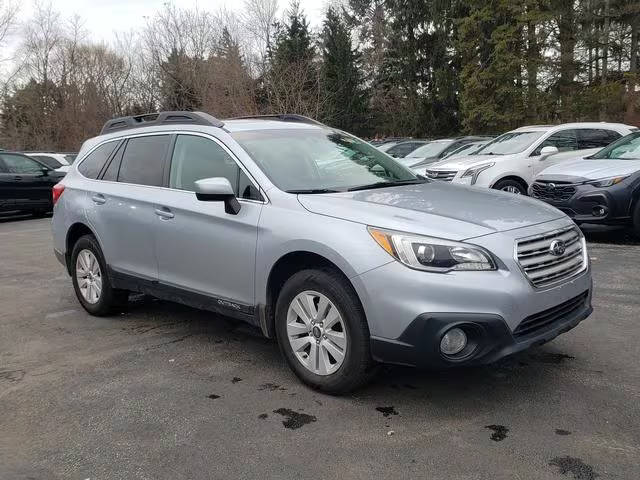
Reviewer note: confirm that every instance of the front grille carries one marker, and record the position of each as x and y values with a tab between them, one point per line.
542	265
547	318
555	191
445	176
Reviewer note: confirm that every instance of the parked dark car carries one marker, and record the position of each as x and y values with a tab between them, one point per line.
603	188
402	149
26	184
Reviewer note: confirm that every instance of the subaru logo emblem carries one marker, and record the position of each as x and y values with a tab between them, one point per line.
552	185
557	248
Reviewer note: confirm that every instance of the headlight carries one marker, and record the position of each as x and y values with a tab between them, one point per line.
432	254
607	182
473	172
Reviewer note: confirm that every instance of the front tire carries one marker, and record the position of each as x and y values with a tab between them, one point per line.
90	278
511	186
322	331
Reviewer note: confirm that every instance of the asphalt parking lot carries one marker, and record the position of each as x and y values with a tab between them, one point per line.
162	391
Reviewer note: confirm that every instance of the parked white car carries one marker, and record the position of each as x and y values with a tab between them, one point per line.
511	161
58	161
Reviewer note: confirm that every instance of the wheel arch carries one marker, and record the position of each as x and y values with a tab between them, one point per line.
74	233
514	177
281	270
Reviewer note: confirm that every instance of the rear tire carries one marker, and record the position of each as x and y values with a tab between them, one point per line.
511	186
91	280
334	325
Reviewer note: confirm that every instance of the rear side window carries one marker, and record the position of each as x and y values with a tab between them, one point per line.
596	138
564	141
143	160
48	161
92	164
3	167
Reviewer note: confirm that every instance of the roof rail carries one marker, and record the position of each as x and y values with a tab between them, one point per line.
283	117
160	118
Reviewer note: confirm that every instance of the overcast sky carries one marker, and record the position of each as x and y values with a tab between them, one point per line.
103	17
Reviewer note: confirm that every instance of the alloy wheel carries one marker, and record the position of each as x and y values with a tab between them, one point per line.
316	332
512	189
89	276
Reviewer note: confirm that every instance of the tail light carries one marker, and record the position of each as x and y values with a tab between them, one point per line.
58	188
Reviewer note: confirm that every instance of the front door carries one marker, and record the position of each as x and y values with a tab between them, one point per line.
28	182
201	248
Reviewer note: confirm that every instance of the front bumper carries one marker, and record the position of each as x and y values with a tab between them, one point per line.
590	204
490	339
407	310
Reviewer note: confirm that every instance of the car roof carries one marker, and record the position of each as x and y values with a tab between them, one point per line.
546	128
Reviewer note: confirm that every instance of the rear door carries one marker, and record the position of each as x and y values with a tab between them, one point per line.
200	247
122	204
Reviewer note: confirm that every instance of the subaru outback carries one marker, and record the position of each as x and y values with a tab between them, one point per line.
320	240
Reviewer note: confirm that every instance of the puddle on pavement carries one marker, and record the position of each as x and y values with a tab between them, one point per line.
294	420
499	432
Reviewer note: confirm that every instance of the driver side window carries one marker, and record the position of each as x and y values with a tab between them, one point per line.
195	158
21	164
564	141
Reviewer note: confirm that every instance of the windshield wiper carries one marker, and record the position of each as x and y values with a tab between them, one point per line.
387	184
491	153
313	190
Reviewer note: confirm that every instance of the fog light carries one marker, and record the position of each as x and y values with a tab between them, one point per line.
453	341
599	211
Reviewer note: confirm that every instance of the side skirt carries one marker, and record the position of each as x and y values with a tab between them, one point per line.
221	306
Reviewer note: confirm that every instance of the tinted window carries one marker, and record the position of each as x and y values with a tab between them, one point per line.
595	138
3	168
93	163
143	160
402	149
564	141
246	189
111	173
195	158
21	164
48	161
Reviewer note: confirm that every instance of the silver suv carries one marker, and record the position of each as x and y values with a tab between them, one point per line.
320	240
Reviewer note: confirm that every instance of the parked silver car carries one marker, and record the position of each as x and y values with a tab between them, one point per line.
320	240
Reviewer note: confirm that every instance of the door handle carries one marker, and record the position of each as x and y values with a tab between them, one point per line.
17	177
98	199
164	213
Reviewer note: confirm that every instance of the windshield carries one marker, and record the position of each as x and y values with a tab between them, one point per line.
512	142
627	148
432	149
319	160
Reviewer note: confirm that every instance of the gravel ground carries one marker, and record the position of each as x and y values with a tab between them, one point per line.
162	391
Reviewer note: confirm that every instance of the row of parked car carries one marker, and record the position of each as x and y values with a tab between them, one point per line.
590	171
27	179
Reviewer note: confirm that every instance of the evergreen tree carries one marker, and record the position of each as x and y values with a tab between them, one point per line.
342	78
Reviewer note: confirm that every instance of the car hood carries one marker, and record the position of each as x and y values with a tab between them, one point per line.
437	209
463	163
592	169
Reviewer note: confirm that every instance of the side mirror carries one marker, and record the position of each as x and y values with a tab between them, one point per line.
218	189
548	151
